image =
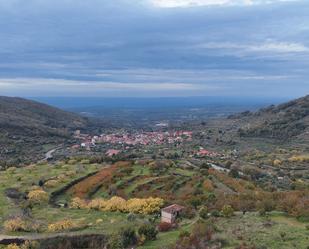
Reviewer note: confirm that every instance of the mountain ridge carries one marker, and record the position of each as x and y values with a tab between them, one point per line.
285	121
27	126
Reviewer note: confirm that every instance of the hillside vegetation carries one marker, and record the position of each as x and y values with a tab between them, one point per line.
284	122
26	126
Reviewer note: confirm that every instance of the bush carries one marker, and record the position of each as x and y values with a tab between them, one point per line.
127	237
131	217
149	231
164	227
15	225
135	205
188	213
38	196
19	224
51	184
227	211
64	225
203	213
13	246
215	213
26	245
78	203
195	201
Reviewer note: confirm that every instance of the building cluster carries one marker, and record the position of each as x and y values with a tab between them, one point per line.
145	138
137	138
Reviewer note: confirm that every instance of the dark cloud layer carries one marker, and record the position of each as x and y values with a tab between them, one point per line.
133	48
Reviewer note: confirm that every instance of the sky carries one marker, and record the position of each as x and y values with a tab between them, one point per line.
154	48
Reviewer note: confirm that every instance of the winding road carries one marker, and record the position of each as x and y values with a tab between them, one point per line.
49	154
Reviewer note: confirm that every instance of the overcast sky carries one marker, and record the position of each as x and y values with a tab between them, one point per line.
155	48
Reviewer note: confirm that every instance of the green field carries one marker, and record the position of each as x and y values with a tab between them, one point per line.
165	180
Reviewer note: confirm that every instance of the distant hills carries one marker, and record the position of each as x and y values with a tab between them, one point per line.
27	128
288	121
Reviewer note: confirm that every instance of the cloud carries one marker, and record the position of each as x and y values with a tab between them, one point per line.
132	47
280	47
192	3
81	88
269	46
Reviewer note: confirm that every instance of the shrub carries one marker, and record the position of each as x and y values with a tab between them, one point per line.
38	196
135	205
115	204
215	213
11	170
30	245
15	225
149	231
131	217
51	184
13	246
195	201
78	203
115	242
227	211
203	213
184	234
65	225
208	185
188	213
277	162
127	237
72	161
164	227
144	206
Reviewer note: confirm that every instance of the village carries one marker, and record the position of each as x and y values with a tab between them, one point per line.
128	140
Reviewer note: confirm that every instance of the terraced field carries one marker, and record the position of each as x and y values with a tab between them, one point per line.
193	188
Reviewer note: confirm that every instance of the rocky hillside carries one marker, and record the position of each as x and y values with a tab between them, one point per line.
27	128
288	121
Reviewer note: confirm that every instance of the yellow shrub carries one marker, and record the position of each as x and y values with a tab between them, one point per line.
78	203
301	158
15	225
65	225
97	204
98	221
60	226
144	206
115	204
13	246
70	173
29	245
38	196
51	183
277	162
62	177
135	205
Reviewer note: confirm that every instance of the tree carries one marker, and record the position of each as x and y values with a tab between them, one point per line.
148	231
127	237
